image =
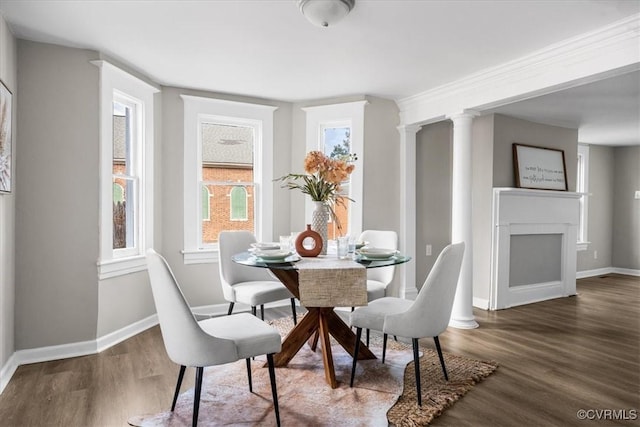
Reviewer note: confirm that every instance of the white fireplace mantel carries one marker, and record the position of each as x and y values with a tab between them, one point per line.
533	246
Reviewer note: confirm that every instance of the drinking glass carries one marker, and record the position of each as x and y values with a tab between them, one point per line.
285	243
343	247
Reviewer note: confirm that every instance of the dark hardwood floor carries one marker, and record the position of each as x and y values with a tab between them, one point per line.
556	357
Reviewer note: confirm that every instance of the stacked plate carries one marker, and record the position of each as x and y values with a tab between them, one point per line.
265	246
376	253
273	255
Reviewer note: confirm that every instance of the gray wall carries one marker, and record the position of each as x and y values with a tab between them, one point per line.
57	201
8	75
508	130
433	194
626	212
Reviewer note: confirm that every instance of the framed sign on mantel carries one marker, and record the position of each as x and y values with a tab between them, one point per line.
539	168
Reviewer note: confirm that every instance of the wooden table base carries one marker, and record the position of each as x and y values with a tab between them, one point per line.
318	324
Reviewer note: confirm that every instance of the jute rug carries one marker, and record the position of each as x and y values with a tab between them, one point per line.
377	398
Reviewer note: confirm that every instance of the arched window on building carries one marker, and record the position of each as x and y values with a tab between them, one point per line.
206	203
238	198
118	193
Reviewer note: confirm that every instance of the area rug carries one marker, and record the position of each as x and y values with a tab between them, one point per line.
305	399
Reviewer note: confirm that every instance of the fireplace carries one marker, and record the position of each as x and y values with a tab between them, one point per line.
533	246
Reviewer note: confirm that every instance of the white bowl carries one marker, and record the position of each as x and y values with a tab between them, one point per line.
377	253
271	254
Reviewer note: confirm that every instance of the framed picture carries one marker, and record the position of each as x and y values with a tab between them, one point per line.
539	167
5	139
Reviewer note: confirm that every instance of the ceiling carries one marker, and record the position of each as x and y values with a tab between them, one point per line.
386	48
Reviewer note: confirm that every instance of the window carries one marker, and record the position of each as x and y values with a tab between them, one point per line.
335	130
582	186
229	151
336	142
206	204
126	171
238	207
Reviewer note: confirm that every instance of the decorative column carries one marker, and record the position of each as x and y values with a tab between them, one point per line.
461	218
407	271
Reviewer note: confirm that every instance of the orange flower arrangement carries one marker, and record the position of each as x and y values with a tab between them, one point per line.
323	179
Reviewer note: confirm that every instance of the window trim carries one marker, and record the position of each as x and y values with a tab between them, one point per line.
115	82
195	108
582	187
339	115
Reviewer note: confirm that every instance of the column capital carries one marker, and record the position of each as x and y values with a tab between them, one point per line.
409	128
464	114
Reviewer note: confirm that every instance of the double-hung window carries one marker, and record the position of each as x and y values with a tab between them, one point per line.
228	157
126	171
582	186
336	130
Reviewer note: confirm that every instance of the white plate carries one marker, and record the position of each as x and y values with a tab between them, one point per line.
360	245
265	245
290	258
271	254
377	253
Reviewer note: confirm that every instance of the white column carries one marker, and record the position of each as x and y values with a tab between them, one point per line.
461	218
407	271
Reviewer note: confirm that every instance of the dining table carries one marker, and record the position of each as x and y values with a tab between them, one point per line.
322	284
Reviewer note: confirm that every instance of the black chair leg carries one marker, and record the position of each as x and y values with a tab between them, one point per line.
249	375
262	312
416	362
293	311
274	389
254	311
196	397
444	369
355	355
367	337
231	304
175	395
384	346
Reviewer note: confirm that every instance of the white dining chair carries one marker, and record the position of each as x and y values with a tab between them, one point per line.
247	285
427	316
209	342
379	279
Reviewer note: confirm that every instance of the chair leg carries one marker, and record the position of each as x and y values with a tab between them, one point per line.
196	397
231	304
384	346
293	311
355	355
274	389
444	369
175	395
253	310
262	312
416	362
367	337
249	375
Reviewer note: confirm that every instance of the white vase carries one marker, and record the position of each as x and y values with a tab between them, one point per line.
319	223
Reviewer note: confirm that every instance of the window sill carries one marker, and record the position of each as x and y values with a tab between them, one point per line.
582	246
120	267
200	256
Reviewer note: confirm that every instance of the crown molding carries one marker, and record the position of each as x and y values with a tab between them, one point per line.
605	52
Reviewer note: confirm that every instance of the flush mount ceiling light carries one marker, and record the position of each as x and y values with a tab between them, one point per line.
324	13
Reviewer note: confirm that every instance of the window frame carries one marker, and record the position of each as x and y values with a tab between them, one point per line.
118	85
582	187
347	114
196	110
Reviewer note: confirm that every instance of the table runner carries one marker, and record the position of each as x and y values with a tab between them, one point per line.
331	282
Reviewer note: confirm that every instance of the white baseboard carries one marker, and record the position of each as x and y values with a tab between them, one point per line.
627	271
481	303
7	372
116	337
607	270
